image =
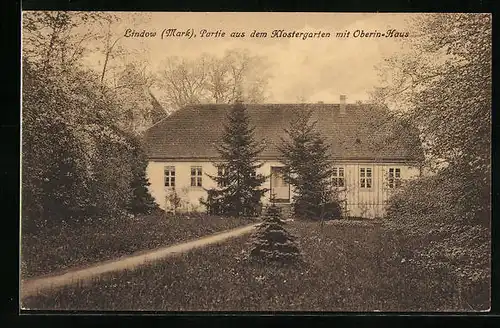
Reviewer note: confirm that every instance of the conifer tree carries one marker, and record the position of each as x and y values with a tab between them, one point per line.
239	189
309	168
141	201
271	242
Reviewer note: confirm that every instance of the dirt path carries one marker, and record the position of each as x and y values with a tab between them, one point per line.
35	285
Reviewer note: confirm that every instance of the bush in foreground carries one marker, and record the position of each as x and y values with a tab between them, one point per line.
272	243
429	230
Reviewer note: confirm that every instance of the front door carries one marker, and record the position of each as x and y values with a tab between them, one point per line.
280	189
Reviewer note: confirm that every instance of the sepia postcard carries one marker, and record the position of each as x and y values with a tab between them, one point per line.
190	161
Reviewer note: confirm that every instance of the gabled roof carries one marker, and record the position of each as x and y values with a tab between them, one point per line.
363	132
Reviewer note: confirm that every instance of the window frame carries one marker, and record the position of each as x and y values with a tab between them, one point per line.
364	178
197	176
338	176
169	177
394	177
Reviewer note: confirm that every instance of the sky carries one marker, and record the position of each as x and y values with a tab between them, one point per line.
316	69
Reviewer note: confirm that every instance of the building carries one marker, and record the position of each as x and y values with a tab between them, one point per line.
372	153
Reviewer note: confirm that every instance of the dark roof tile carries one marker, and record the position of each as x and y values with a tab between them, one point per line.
364	132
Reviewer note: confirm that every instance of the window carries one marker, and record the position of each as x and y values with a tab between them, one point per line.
169	176
196	174
365	177
394	177
338	179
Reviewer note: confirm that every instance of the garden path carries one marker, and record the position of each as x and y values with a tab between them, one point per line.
36	285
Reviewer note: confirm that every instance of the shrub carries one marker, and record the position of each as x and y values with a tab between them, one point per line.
439	199
214	203
173	201
271	243
431	227
328	210
79	162
449	266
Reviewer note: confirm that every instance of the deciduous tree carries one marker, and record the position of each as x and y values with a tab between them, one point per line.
78	159
442	81
212	79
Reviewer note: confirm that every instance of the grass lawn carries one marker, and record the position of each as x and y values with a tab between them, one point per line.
349	268
64	247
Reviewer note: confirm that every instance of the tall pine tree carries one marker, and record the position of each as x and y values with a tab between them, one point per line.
239	189
309	168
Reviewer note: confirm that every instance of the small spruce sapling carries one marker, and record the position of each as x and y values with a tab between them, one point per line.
271	243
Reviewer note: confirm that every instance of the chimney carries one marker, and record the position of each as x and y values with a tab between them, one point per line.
342	104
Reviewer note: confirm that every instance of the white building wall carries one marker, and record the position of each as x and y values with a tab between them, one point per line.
190	195
357	202
370	202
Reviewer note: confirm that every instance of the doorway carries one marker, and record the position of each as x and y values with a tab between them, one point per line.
280	189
